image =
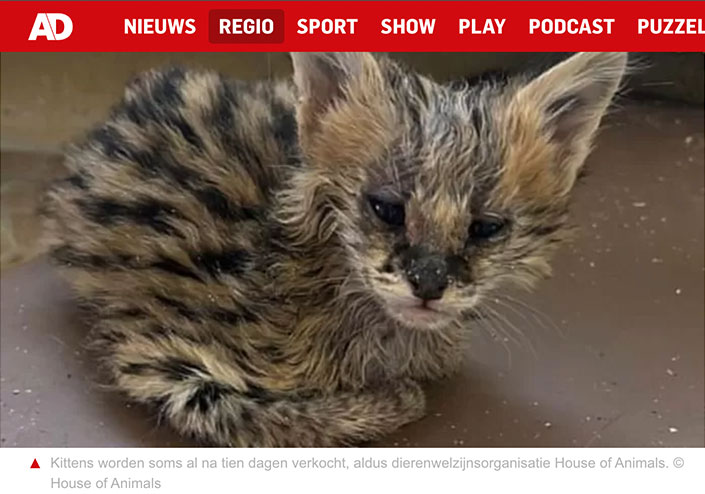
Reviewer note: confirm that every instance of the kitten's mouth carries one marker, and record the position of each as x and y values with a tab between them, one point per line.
411	311
417	313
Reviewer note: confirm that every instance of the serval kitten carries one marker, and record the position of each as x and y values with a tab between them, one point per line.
281	263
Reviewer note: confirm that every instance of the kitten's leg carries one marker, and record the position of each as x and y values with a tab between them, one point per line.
201	394
339	419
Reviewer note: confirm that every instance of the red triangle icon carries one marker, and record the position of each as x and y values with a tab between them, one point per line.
35	464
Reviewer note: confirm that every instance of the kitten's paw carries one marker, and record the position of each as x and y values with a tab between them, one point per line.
412	399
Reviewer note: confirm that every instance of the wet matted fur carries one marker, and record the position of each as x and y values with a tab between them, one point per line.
281	263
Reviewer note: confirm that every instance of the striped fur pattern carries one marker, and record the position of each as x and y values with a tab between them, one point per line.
221	238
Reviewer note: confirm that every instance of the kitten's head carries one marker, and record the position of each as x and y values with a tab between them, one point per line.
437	194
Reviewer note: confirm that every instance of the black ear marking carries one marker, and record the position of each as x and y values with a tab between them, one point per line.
563	104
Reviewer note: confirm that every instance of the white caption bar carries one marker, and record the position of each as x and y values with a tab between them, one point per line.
310	471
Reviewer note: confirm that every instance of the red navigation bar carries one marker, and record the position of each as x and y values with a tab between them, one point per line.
352	26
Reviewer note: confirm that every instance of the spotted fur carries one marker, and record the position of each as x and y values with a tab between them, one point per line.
220	235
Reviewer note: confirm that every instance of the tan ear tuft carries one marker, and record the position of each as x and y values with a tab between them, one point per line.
572	98
345	114
323	79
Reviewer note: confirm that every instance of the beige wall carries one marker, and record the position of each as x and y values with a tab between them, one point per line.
49	98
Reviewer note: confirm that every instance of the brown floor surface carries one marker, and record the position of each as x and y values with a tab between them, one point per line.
612	353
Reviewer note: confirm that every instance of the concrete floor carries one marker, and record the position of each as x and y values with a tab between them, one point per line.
611	352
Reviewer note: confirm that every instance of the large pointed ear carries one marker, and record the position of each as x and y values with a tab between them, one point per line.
326	79
571	99
344	112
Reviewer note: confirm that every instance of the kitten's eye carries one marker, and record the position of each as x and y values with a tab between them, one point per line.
391	213
486	228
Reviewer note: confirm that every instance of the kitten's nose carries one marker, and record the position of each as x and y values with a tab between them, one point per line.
428	277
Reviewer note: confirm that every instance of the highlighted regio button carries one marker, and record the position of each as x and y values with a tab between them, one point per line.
246	26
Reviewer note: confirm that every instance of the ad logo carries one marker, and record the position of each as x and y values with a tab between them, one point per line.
46	25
